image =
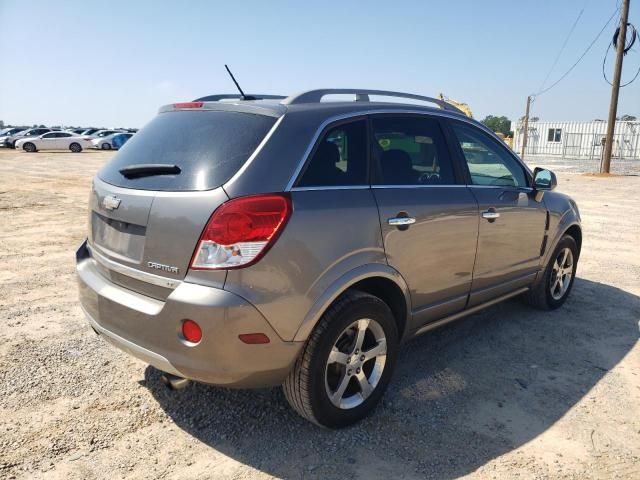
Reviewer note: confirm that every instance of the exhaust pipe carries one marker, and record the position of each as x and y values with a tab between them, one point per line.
173	382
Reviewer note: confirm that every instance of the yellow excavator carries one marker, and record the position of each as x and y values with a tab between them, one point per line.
460	105
467	111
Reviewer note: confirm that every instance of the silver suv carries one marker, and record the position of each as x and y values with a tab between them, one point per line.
294	241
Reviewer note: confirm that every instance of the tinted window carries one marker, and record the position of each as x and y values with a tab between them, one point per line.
339	159
208	147
489	163
50	135
64	135
411	151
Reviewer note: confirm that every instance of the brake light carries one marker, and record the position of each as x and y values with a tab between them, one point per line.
241	231
188	105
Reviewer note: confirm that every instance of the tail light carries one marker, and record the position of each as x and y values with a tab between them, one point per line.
241	231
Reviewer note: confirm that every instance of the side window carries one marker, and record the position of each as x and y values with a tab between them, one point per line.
554	135
489	163
340	158
49	135
411	151
64	135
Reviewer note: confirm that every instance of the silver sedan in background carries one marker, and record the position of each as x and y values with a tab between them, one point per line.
111	142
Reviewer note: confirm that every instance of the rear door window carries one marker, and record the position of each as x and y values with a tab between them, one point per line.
339	158
209	147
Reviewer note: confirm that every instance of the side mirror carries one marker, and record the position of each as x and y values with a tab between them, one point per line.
544	179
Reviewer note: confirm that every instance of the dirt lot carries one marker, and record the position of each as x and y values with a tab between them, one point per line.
510	392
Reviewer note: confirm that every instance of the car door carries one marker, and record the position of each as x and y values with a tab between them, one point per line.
512	221
429	218
48	141
63	141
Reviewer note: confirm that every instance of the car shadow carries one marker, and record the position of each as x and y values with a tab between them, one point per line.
461	396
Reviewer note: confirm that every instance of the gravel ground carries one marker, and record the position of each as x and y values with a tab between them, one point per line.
575	165
510	392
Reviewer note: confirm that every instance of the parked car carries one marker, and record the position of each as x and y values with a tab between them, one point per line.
6	133
113	141
89	131
300	242
28	133
54	141
104	133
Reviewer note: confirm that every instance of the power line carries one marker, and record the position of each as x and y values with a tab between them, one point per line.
566	40
627	48
579	59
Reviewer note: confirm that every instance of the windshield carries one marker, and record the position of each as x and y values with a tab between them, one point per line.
208	147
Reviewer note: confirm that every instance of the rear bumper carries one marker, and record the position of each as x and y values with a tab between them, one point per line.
149	329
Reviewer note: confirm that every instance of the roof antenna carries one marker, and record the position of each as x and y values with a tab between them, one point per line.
242	95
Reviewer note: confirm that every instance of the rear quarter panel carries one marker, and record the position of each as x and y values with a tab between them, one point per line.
329	234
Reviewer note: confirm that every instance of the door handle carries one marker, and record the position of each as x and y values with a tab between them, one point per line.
490	214
401	221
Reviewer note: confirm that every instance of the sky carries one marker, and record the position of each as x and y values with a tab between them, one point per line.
85	63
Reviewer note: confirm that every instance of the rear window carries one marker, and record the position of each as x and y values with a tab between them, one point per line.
209	147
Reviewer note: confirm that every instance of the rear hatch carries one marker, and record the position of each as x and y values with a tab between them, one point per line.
150	203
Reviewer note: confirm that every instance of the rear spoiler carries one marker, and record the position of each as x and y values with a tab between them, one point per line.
236	96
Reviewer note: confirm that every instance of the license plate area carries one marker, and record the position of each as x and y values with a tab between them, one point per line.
122	238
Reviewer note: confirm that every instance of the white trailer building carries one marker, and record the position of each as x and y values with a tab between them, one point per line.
581	140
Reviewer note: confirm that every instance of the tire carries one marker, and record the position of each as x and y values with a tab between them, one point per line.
75	147
314	376
542	295
29	147
106	146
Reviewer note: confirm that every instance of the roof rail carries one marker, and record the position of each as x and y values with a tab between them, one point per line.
237	96
315	96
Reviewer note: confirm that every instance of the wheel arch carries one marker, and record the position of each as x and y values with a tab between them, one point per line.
573	229
380	280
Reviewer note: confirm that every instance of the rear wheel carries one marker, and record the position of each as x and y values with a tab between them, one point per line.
29	147
347	362
106	146
552	290
75	147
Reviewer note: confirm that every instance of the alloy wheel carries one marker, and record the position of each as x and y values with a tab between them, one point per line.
561	274
356	363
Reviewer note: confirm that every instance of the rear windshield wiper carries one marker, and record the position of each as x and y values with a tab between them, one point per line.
149	169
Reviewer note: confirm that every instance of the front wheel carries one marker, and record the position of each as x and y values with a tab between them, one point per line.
347	362
106	146
29	147
552	290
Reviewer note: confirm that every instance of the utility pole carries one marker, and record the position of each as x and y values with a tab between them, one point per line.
525	131
615	89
